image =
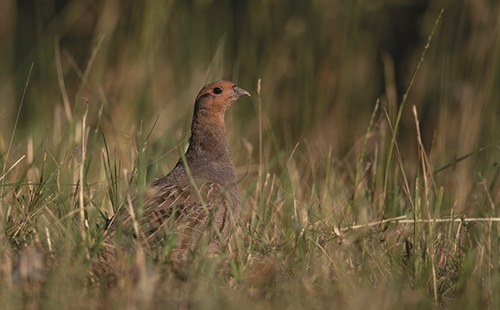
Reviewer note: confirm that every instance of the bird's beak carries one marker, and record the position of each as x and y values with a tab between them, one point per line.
238	92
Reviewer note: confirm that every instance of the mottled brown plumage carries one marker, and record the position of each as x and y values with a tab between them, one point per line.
199	197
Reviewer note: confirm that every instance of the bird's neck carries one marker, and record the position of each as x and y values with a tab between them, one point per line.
208	135
208	150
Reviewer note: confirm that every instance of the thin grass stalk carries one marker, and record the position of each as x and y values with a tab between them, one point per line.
363	150
81	200
9	148
403	101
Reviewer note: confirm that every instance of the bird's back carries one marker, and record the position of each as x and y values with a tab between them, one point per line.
182	213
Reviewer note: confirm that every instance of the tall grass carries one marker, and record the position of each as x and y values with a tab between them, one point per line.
353	195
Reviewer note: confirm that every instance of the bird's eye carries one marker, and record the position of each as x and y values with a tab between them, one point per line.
217	90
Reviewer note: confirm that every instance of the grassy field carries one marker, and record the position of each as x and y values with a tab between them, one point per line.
367	159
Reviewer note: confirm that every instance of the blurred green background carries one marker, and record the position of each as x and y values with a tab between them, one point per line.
124	75
322	63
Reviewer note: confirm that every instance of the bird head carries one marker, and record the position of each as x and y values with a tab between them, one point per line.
218	96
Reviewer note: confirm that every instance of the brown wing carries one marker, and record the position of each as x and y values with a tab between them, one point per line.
184	214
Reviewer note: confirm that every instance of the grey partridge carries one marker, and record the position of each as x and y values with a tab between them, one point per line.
199	197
